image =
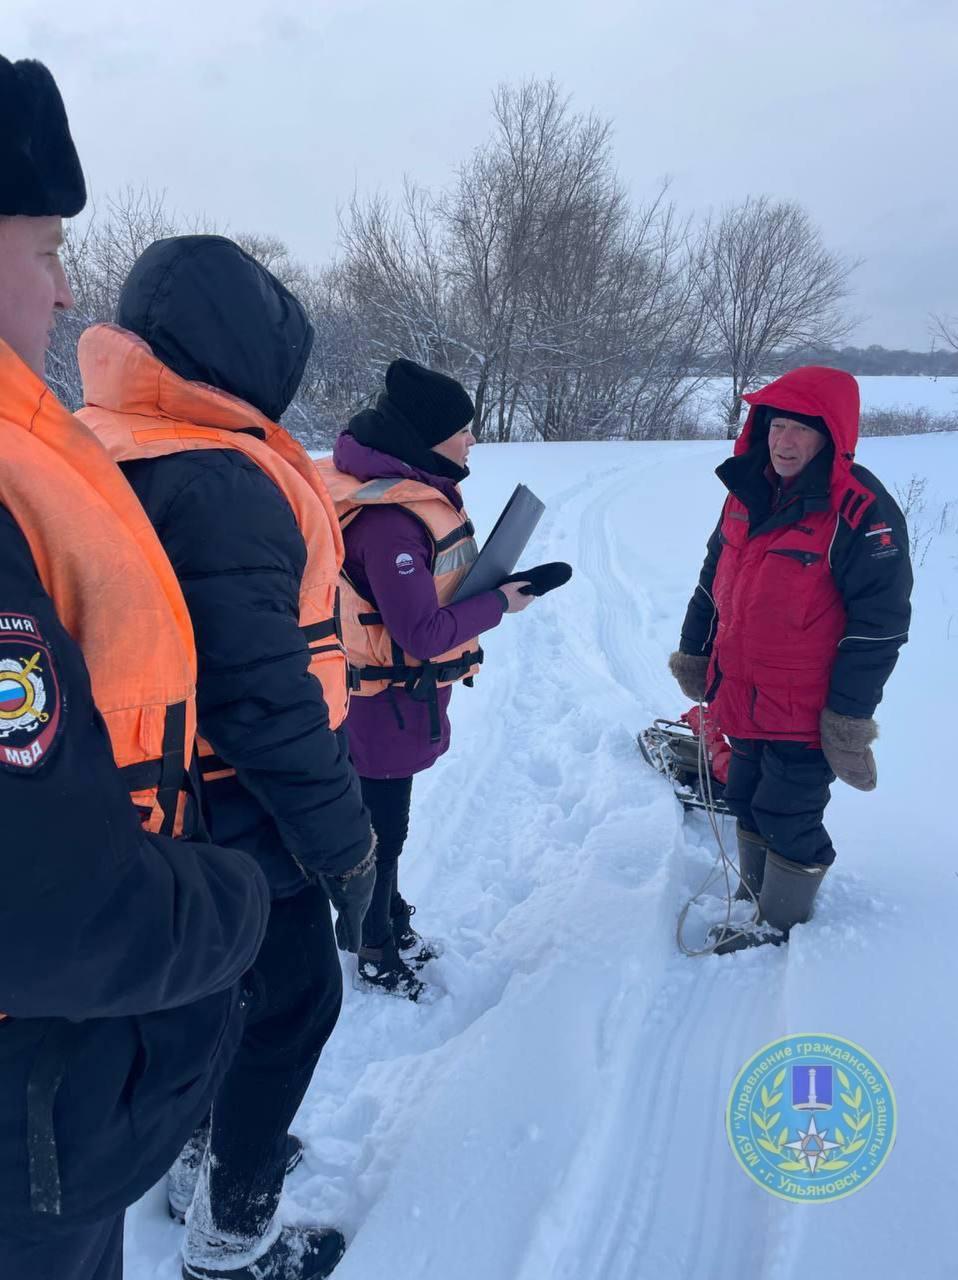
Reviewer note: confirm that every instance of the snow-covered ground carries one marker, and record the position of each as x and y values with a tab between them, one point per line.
558	1112
938	396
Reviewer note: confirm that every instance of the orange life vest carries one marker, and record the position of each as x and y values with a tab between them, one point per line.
377	661
139	408
111	585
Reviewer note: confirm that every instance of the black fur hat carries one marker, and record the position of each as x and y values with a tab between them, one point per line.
40	174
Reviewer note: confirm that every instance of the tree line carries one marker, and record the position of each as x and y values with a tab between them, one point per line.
568	310
876	360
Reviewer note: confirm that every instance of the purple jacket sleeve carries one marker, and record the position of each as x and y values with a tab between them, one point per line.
395	556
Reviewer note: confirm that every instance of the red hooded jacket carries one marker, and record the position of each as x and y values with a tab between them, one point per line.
787	564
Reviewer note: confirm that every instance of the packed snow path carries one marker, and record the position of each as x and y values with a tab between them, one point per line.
557	1112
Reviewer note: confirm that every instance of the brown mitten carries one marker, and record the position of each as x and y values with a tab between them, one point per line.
846	742
691	671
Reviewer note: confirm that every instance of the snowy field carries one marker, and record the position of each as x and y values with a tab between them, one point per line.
938	396
558	1112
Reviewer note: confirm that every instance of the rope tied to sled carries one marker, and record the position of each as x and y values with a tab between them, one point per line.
723	866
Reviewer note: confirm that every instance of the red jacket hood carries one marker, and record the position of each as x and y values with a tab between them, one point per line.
830	394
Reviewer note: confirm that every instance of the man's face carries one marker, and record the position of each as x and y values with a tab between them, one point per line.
792	446
33	285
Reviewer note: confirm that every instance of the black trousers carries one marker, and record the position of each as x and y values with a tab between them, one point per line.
301	984
780	790
88	1253
387	800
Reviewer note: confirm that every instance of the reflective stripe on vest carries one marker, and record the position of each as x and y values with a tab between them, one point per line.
376	660
140	409
112	588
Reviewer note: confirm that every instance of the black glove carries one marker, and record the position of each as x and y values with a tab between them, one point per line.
542	578
351	894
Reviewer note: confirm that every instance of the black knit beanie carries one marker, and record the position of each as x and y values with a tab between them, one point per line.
40	174
806	419
435	405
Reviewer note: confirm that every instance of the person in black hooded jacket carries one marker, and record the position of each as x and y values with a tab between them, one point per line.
215	321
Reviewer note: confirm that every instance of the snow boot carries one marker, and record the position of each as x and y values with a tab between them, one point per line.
181	1181
382	968
752	849
407	939
299	1253
787	897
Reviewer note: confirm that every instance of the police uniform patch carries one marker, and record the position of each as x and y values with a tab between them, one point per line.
31	703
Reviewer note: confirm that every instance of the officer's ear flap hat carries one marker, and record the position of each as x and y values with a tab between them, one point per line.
40	174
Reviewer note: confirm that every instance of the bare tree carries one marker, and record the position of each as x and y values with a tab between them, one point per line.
275	256
630	325
512	221
534	280
944	327
393	274
769	283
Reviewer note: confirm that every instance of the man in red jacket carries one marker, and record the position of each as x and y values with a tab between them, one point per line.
800	610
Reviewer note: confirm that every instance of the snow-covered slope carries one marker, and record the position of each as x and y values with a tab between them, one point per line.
558	1112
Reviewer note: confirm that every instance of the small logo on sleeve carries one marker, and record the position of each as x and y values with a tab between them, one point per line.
883	542
405	564
31	706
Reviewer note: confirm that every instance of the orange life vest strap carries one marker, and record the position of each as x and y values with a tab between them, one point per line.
213	768
166	774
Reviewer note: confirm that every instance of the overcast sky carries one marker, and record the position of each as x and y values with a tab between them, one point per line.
267	116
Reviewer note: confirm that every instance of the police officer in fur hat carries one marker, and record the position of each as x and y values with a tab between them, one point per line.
123	937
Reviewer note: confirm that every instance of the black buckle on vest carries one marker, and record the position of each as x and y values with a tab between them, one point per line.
167	773
426	689
172	766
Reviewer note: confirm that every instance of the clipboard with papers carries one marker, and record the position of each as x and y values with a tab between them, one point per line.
501	551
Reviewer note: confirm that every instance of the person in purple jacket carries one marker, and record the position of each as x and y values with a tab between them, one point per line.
419	430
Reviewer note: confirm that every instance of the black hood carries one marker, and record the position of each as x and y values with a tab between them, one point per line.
213	314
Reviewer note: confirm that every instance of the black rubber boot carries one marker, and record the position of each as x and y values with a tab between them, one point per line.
787	897
300	1253
788	891
752	849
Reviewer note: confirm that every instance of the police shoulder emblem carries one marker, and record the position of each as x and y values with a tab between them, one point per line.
811	1118
31	704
